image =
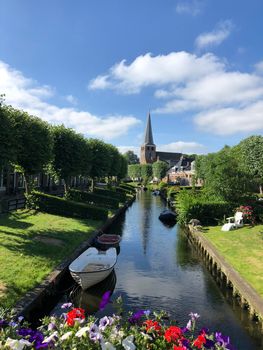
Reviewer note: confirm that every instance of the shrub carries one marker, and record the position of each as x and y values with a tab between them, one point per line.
127	187
195	205
61	206
92	199
110	193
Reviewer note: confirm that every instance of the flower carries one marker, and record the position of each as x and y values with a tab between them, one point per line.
66	335
105	300
104	322
66	305
16	344
152	326
107	345
136	316
199	341
127	343
82	331
173	333
74	315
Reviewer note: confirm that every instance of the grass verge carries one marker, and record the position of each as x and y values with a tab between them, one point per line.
32	244
243	250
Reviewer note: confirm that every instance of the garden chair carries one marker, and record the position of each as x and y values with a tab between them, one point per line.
233	222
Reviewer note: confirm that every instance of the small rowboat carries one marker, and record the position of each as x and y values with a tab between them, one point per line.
168	217
93	266
105	241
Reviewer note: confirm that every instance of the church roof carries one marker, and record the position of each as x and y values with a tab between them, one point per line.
169	156
148	138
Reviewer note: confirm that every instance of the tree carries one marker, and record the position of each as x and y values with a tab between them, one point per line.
101	161
34	144
134	171
249	152
131	157
159	169
123	168
115	159
72	154
8	142
146	172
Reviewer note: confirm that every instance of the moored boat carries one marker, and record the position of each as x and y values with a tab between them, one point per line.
105	241
93	266
168	216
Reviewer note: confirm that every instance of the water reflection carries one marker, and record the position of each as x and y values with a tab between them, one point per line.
90	299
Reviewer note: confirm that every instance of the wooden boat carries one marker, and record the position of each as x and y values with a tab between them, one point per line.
105	241
93	266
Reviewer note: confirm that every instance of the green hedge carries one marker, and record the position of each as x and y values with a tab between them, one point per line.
93	199
110	193
128	188
60	206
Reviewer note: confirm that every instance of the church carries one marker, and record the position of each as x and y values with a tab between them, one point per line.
181	167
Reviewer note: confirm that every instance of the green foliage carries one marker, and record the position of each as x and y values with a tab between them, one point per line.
123	168
196	205
101	161
115	161
128	188
134	171
92	199
249	152
146	172
159	169
72	154
131	157
8	150
61	206
110	193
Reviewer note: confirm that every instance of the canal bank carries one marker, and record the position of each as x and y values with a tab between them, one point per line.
247	297
40	301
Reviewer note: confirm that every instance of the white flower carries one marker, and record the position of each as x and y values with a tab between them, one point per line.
66	335
51	337
16	344
127	343
82	331
106	345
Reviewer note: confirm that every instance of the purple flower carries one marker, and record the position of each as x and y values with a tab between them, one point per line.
66	305
194	316
223	341
3	323
105	299
104	322
136	316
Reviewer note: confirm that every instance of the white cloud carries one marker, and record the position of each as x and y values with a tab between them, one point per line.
124	149
100	82
259	67
183	147
71	99
193	7
147	70
26	94
205	85
227	121
215	37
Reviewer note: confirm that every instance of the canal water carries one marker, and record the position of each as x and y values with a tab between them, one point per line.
158	269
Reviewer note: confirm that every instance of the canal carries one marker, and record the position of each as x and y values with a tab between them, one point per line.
158	269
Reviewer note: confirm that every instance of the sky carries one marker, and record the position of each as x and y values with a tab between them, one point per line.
100	66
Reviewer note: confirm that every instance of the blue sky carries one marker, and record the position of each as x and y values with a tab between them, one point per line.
98	66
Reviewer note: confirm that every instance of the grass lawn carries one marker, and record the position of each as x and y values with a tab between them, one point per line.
31	245
243	249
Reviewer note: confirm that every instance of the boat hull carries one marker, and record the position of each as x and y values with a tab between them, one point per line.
88	279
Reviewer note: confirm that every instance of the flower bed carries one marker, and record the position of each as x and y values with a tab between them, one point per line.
75	330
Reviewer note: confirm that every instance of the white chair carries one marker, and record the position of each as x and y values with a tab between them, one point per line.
233	222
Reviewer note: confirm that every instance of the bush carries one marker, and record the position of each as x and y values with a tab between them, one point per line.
128	188
92	199
195	205
61	206
110	193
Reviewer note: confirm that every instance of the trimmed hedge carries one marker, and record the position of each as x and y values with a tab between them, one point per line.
60	206
93	199
110	193
127	187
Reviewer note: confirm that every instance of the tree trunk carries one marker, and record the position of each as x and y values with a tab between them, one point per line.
260	189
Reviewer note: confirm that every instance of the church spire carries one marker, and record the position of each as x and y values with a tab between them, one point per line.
148	139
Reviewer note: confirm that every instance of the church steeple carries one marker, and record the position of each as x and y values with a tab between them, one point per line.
148	149
148	138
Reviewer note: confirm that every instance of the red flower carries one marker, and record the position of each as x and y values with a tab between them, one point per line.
179	347
173	333
152	326
74	314
199	341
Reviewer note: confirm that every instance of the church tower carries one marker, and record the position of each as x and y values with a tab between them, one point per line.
148	149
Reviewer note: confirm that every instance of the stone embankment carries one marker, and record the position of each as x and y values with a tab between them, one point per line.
247	296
